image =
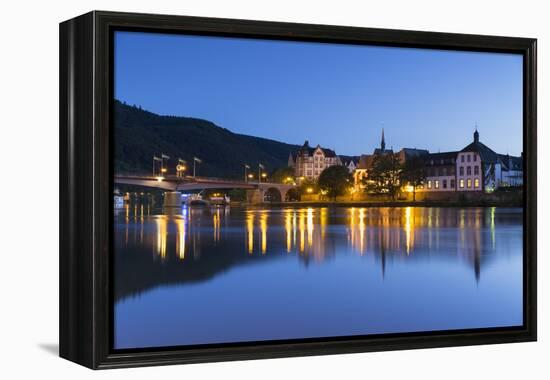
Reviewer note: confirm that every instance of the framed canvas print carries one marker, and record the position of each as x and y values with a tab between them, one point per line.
238	189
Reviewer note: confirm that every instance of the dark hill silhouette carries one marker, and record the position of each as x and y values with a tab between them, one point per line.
140	134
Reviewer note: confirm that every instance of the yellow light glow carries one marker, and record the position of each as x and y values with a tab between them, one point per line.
180	242
162	231
288	230
361	230
164	170
302	228
216	223
408	229
309	190
263	230
264	175
159	179
250	232
310	227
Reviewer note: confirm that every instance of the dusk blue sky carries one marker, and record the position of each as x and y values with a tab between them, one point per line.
339	96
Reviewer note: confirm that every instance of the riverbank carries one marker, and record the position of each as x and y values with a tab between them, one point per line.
456	199
472	202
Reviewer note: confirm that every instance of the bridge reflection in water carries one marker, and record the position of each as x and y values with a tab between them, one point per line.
450	267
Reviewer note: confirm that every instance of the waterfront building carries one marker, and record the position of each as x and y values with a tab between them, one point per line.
309	162
351	165
365	163
440	171
511	171
476	167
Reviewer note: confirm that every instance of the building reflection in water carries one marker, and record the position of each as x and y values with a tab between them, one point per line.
317	233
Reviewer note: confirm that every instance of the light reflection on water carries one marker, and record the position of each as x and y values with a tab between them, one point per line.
454	268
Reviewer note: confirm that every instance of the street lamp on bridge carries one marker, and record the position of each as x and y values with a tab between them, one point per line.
181	168
260	167
155	159
195	160
163	157
246	167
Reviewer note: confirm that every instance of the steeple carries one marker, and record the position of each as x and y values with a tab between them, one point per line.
383	142
476	135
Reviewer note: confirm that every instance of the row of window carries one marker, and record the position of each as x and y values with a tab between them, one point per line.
311	164
309	173
435	184
468	170
468	157
444	182
441	171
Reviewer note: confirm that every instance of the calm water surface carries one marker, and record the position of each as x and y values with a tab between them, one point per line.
215	275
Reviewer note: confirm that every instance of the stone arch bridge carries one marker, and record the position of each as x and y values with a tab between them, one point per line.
255	192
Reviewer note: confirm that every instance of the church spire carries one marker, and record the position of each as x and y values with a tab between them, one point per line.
476	135
383	142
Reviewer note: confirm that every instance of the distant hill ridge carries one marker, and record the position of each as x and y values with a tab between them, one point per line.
140	134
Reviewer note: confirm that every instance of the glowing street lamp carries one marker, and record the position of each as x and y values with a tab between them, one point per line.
309	190
181	167
155	159
260	167
246	167
195	160
163	157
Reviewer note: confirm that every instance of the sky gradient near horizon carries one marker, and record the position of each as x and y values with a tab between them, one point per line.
338	96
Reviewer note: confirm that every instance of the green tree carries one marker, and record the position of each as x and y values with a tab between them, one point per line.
414	174
335	180
309	186
283	175
384	176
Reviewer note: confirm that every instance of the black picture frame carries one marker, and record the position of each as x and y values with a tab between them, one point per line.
86	89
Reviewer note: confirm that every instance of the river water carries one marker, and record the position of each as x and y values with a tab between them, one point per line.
215	275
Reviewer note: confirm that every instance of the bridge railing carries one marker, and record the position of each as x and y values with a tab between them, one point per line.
191	179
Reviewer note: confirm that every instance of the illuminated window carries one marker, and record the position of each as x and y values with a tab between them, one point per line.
476	169
469	183
476	183
436	184
469	170
429	184
461	183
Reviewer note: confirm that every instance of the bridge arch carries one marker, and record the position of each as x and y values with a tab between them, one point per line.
273	194
292	195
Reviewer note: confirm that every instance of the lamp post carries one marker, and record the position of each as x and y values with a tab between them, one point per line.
155	159
162	168
246	167
195	160
181	168
260	167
